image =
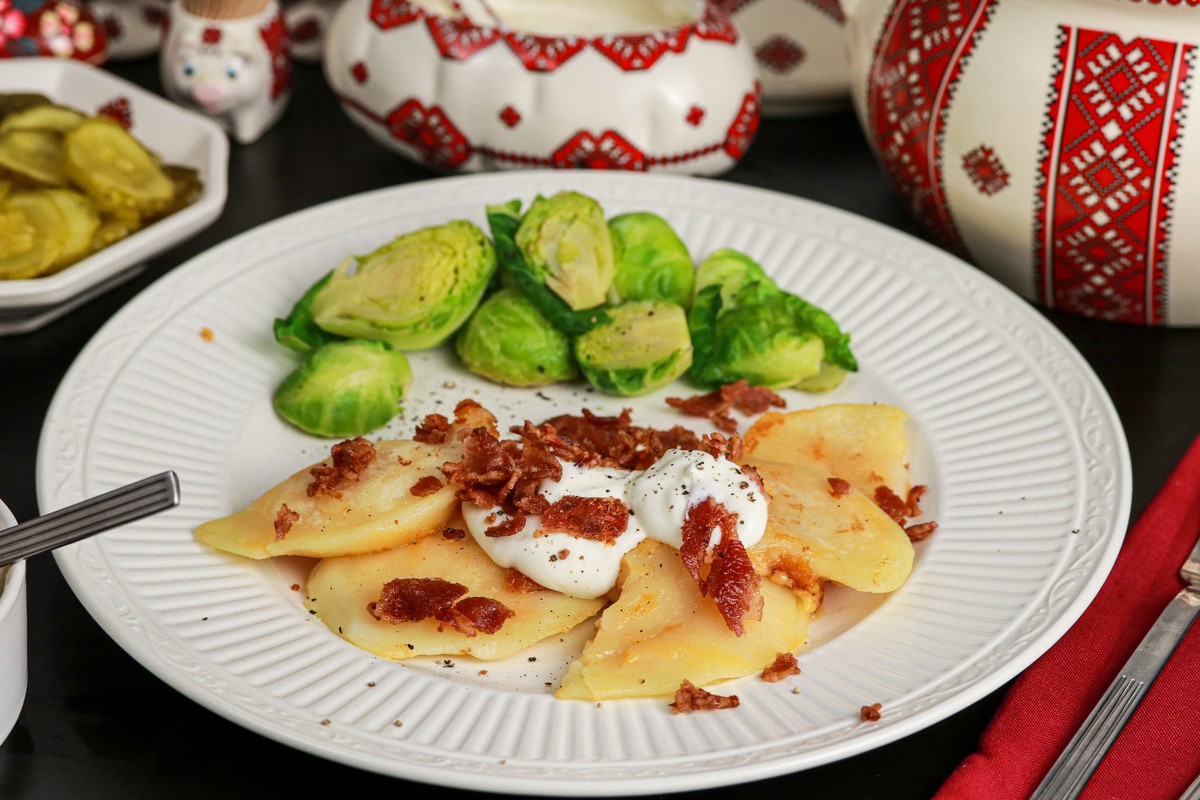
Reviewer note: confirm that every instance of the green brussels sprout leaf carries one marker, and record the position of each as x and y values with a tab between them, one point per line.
652	262
508	340
504	220
641	346
413	292
345	388
297	331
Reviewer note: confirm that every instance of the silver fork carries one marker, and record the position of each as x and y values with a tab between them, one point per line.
1075	766
101	513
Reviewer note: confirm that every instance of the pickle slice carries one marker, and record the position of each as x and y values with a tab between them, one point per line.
48	235
12	102
115	226
114	169
81	220
46	117
34	155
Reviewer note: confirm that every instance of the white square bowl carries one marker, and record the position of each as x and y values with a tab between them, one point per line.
13	665
178	135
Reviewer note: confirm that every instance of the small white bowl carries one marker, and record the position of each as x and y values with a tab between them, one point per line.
13	669
178	135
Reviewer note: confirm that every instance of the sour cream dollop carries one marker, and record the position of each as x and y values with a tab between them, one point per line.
658	499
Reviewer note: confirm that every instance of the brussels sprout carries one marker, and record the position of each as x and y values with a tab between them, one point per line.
345	388
743	326
508	340
297	331
517	270
413	292
652	262
641	346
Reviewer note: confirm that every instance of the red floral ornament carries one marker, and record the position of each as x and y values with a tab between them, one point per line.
430	132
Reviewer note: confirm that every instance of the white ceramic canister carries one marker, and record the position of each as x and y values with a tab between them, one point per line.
237	70
13	638
800	51
506	84
1051	142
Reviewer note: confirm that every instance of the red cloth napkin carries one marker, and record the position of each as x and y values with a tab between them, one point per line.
1157	755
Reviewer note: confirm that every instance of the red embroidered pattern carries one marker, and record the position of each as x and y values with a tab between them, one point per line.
118	109
985	170
779	54
275	36
459	39
1104	201
435	138
915	70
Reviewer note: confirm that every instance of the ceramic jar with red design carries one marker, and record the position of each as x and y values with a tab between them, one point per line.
1052	142
800	54
63	28
471	85
134	28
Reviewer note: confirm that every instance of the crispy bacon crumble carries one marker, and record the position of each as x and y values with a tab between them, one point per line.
839	487
731	579
901	510
716	405
426	486
285	518
784	666
434	429
601	519
415	599
350	460
517	581
871	713
689	698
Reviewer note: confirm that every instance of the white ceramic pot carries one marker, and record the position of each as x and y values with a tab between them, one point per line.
1052	142
505	84
801	56
13	667
237	71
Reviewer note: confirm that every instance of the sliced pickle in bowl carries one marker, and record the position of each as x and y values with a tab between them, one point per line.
108	163
34	157
45	246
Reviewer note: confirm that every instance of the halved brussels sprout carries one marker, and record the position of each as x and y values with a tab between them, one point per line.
298	331
345	388
508	340
744	327
652	262
567	244
413	292
641	346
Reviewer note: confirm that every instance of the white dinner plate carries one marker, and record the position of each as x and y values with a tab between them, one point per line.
1026	460
177	135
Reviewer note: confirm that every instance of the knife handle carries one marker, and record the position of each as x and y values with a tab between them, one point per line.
1075	766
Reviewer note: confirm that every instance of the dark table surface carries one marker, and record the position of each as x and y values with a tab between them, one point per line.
97	725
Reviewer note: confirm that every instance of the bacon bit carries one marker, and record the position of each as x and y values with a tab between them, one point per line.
206	333
913	501
513	525
285	518
413	599
519	582
434	429
920	531
350	460
454	534
473	615
562	554
731	579
600	519
689	698
751	472
839	487
718	445
429	485
871	713
784	666
715	405
891	504
617	442
295	587
507	473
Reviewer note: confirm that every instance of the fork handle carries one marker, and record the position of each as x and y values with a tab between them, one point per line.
1075	766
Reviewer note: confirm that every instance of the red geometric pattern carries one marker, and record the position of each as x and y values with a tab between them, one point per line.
211	35
985	170
1104	203
609	150
459	39
779	54
695	116
118	109
745	124
916	67
427	130
510	116
358	71
275	36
